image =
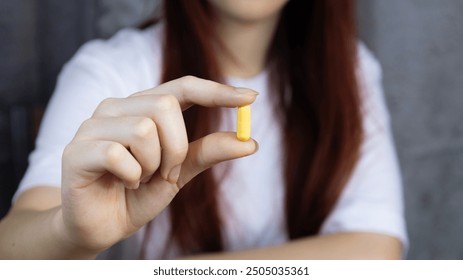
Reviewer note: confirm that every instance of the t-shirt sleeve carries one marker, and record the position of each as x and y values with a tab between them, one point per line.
372	200
100	69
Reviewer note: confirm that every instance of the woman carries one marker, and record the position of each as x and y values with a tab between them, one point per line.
130	116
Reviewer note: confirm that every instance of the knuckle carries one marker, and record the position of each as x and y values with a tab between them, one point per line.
68	151
114	153
166	102
108	101
188	80
86	125
88	129
179	153
145	128
106	107
69	155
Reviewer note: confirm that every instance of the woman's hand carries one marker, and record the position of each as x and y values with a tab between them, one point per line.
128	161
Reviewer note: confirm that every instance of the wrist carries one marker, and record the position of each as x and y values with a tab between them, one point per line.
72	249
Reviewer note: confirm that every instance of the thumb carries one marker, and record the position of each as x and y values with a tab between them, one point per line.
148	201
212	149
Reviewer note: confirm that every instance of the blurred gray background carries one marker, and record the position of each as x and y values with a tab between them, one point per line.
418	43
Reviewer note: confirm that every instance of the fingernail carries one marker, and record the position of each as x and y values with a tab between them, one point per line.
133	186
145	179
246	91
174	174
257	146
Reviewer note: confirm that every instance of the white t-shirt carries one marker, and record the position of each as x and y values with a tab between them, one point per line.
252	195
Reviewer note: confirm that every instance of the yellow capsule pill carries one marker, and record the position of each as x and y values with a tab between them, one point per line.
243	123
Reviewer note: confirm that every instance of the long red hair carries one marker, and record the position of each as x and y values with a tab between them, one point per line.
311	62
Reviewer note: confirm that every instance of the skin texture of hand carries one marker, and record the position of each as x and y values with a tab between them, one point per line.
128	161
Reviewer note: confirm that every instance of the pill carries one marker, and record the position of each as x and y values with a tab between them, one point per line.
243	123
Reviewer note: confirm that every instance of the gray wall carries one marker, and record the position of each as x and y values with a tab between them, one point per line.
417	42
36	38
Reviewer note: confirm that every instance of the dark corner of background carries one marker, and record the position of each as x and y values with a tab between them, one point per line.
37	38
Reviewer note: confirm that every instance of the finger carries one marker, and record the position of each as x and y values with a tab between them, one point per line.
138	134
162	105
212	149
190	90
150	199
88	160
154	196
165	111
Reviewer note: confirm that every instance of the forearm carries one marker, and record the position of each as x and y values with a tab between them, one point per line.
333	246
31	234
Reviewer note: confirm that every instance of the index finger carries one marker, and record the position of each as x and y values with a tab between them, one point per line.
191	90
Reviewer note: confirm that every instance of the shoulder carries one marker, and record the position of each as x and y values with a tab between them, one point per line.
367	63
128	42
370	85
